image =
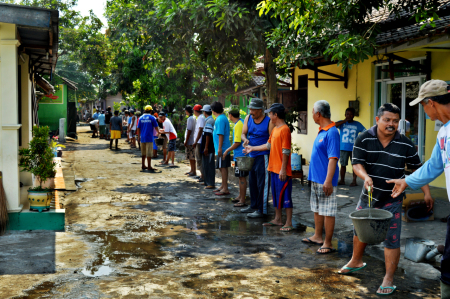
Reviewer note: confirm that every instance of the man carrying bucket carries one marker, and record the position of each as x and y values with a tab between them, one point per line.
379	155
435	100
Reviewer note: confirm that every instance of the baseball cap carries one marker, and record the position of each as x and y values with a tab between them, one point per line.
148	108
430	89
198	107
206	108
162	113
256	103
275	108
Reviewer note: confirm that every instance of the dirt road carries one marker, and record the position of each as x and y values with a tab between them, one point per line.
139	235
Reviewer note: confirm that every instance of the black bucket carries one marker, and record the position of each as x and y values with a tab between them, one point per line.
159	141
371	230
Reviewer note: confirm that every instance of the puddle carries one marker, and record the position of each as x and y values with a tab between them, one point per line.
139	255
43	290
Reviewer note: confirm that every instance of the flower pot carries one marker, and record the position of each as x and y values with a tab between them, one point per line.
39	200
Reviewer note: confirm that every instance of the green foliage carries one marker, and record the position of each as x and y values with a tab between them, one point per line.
338	29
38	157
116	107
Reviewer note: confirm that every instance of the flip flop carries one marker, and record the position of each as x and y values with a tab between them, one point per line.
217	190
200	181
393	288
222	193
312	242
351	269
270	223
331	250
287	228
188	173
191	174
240	205
209	187
235	200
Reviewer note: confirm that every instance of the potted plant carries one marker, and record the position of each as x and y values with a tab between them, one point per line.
296	157
38	159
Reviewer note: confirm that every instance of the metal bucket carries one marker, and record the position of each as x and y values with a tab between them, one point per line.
371	230
416	249
245	163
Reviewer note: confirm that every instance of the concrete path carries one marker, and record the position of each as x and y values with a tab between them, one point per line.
131	234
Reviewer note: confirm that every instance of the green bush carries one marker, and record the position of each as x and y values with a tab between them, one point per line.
38	157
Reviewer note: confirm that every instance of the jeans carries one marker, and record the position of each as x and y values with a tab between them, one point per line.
259	182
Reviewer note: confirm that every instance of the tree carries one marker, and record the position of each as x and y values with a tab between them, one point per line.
339	30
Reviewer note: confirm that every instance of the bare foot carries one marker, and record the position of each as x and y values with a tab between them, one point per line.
341	183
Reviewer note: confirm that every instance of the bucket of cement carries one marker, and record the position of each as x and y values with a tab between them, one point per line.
371	226
245	163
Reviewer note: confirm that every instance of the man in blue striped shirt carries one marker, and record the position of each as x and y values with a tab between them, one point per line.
379	155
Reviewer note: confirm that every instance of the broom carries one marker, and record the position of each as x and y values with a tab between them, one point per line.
3	208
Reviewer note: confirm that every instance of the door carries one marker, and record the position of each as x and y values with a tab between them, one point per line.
412	124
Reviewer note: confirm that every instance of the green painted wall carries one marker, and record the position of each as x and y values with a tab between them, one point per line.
50	113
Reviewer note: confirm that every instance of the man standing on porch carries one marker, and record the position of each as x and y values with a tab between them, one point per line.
435	99
324	175
256	131
350	129
380	154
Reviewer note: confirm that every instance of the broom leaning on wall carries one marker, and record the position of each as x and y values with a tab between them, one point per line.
3	208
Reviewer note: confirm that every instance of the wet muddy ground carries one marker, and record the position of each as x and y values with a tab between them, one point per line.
139	235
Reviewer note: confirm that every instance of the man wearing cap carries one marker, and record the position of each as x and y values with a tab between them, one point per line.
207	149
171	134
147	123
199	125
381	154
279	144
435	100
256	132
189	139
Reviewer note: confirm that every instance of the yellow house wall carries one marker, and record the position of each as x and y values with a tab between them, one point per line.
361	83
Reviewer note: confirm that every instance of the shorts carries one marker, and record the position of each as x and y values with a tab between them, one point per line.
115	134
221	163
165	141
172	145
239	173
190	152
395	227
93	128
132	134
102	130
345	155
281	192
322	204
147	149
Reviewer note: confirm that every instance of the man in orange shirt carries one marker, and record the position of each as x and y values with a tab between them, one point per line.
279	145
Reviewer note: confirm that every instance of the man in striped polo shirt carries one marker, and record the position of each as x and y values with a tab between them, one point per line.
380	154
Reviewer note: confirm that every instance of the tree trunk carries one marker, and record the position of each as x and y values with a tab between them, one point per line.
270	69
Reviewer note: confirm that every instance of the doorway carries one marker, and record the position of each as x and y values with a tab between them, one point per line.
401	92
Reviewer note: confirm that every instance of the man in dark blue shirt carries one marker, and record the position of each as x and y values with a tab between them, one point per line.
146	125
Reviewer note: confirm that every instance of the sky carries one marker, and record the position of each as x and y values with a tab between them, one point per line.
98	6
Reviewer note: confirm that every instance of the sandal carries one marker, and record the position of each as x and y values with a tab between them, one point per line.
270	223
240	205
330	250
286	228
